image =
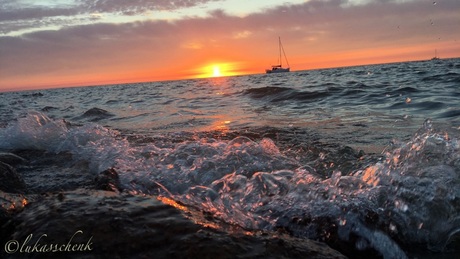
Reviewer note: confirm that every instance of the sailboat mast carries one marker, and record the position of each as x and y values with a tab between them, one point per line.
284	53
279	47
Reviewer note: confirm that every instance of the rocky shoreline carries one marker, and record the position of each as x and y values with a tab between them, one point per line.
53	206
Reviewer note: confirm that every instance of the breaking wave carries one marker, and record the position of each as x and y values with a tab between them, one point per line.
405	198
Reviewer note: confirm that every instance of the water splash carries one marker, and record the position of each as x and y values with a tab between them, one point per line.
423	177
100	146
411	197
35	131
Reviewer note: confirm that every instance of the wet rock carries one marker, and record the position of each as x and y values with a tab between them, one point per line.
10	205
37	94
10	180
6	228
95	114
49	172
108	180
48	108
11	159
109	225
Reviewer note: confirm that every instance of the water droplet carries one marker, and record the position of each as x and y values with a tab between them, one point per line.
401	205
322	156
393	227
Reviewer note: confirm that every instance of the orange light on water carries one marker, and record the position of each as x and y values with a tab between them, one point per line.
196	217
172	202
222	126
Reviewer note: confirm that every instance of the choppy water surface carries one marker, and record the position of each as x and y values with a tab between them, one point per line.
368	155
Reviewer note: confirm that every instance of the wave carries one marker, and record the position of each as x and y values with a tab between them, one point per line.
445	77
90	142
263	92
450	113
406	90
279	94
391	203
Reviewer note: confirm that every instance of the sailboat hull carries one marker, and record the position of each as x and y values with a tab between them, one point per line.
277	70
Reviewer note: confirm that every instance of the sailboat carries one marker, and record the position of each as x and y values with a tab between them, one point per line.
279	68
435	55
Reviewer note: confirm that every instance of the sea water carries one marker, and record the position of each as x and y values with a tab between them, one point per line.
368	155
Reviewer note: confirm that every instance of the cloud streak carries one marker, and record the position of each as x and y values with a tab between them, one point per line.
136	6
15	16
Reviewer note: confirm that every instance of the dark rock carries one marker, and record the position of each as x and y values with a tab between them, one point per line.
11	159
48	108
6	229
49	172
108	180
111	225
97	112
10	180
10	204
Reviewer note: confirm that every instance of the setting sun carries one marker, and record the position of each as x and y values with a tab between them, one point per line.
216	71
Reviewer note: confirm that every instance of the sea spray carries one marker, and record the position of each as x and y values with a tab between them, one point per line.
410	197
91	142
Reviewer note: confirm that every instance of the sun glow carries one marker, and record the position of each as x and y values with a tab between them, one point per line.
216	71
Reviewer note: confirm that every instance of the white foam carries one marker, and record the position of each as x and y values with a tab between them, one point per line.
251	183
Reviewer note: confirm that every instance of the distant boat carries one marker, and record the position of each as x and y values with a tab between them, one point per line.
279	68
435	55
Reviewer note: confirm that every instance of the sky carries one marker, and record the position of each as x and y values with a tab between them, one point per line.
60	43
